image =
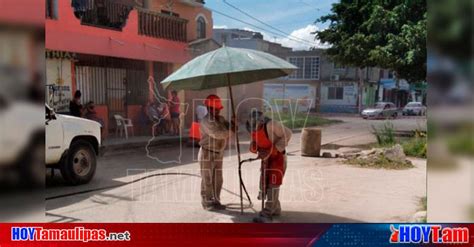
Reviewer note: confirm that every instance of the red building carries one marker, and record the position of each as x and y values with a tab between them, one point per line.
109	49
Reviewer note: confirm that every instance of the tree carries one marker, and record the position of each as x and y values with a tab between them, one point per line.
389	34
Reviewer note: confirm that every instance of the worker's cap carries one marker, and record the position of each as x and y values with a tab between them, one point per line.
213	101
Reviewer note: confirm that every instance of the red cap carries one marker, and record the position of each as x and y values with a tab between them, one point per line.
213	101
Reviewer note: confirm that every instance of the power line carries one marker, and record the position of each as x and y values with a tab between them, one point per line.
268	25
278	30
282	24
257	27
307	4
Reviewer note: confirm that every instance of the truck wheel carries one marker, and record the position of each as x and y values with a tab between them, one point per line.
80	163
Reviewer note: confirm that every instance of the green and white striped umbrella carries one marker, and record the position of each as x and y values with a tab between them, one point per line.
225	66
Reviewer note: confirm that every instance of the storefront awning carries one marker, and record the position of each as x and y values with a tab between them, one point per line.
392	84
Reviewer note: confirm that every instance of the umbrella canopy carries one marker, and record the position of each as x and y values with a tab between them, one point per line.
225	66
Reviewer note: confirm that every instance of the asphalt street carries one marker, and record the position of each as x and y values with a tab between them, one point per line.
163	184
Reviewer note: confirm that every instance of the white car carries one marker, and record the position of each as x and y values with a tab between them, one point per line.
414	108
72	145
380	110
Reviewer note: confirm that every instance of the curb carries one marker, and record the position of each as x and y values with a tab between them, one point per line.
115	148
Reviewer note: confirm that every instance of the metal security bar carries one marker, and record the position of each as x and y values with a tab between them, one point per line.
102	13
160	25
91	81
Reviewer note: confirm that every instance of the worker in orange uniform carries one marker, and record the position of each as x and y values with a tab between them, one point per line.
269	140
215	132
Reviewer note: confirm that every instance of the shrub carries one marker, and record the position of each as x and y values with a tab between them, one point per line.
379	161
386	135
416	146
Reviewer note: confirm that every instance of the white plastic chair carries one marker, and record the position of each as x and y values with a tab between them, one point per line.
122	126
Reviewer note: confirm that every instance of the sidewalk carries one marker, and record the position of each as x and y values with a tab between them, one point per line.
114	144
120	143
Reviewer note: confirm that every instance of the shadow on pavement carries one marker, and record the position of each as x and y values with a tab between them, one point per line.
287	217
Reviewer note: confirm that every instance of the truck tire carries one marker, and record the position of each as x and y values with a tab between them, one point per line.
80	164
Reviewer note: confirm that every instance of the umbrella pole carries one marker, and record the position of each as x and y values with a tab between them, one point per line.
236	140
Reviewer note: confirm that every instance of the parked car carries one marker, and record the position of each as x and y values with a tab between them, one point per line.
381	110
414	108
72	145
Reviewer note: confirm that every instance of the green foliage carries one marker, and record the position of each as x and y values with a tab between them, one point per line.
379	33
386	135
416	147
380	161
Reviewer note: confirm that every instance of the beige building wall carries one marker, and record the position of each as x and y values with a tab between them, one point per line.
58	77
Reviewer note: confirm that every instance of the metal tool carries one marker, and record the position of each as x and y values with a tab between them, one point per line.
242	185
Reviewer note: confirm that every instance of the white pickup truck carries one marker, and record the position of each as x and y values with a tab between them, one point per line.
26	145
72	145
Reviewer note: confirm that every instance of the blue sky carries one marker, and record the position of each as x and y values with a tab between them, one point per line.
294	17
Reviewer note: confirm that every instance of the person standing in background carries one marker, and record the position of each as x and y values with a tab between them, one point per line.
75	107
174	105
165	117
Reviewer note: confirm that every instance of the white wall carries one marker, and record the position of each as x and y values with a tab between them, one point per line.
300	97
58	73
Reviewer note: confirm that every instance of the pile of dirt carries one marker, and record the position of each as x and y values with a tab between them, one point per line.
388	158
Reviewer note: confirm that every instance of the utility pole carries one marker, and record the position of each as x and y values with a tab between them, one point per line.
359	91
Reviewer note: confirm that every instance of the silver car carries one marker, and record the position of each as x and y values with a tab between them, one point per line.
381	110
414	108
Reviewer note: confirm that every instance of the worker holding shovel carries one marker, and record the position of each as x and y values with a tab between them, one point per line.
269	140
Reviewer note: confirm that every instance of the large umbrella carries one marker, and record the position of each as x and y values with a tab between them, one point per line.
228	66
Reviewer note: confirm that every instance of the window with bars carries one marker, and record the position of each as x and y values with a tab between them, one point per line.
298	62
201	28
336	93
308	68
